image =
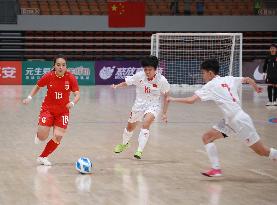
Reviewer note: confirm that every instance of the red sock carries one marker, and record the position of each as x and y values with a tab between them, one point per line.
49	148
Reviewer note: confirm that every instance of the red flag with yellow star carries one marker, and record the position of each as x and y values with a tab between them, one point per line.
126	14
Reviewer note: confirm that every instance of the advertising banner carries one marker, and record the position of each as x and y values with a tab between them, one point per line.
253	69
10	73
33	70
83	71
113	72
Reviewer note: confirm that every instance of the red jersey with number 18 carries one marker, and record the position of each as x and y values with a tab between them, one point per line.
58	90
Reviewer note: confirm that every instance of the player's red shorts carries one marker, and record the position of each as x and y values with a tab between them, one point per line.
49	119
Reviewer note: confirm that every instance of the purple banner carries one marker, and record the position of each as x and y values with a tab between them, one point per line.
253	69
113	72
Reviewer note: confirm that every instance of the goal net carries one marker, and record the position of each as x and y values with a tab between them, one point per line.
181	55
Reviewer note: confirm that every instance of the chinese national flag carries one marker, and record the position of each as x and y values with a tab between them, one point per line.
126	14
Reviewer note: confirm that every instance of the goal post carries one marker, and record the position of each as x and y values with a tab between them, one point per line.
181	54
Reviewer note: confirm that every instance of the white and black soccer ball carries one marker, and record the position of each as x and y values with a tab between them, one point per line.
83	165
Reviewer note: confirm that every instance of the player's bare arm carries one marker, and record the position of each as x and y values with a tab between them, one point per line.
187	100
251	82
165	107
75	100
120	85
33	92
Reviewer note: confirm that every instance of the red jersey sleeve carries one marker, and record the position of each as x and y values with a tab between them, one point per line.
74	83
44	80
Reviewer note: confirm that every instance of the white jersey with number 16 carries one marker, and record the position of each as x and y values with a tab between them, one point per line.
148	92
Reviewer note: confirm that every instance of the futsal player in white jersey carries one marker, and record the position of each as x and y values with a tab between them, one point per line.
224	92
150	86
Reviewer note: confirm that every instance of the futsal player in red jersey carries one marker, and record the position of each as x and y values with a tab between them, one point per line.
55	107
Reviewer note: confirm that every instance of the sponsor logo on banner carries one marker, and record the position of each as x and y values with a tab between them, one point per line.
106	72
257	74
110	72
10	72
253	69
83	71
34	70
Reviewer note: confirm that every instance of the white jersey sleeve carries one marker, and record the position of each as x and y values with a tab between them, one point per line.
133	80
165	86
204	93
237	81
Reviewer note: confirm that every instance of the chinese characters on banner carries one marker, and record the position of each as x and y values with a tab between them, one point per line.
33	70
113	72
10	73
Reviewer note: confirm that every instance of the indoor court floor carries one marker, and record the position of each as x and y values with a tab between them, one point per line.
168	173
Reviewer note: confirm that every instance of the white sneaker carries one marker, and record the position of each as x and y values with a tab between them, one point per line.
43	161
275	103
269	104
37	141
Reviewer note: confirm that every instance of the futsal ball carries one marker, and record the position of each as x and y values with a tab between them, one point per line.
83	165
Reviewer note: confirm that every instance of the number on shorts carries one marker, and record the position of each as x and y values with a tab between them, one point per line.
65	119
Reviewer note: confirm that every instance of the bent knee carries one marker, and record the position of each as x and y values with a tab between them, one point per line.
42	135
207	138
57	138
146	126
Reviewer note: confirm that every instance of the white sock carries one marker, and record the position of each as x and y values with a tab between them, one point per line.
212	154
37	140
272	154
126	136
143	138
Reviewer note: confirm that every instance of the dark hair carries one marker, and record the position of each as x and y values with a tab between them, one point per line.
210	65
150	61
273	45
58	56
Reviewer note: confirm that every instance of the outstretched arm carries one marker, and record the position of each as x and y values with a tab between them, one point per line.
187	100
120	85
251	82
33	92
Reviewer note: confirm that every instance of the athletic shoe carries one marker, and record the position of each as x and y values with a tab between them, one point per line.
121	147
275	103
269	104
43	161
138	154
213	173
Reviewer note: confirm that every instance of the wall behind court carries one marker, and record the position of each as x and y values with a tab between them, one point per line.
153	23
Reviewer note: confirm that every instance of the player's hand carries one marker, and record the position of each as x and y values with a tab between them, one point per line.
70	105
27	100
164	118
114	86
258	89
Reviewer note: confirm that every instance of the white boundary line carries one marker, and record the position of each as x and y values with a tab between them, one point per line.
263	173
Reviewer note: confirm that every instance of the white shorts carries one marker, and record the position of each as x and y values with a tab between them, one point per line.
242	126
138	115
